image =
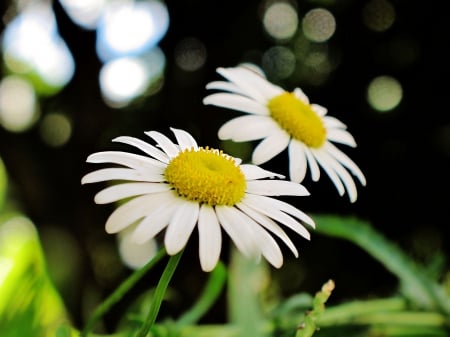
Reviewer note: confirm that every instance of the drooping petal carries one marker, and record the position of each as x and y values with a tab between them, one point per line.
268	246
297	161
181	226
236	102
237	229
165	143
346	161
256	127
253	172
210	238
126	190
118	173
345	177
265	207
322	160
143	146
270	225
275	188
184	139
312	164
270	147
281	206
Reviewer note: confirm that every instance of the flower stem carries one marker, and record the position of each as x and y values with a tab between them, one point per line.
210	294
159	294
120	291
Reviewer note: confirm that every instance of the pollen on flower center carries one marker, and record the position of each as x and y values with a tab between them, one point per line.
207	176
298	119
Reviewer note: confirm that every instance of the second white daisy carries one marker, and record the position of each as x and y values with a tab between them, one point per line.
285	120
177	187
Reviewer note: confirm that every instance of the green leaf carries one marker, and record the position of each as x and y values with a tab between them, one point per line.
29	303
415	284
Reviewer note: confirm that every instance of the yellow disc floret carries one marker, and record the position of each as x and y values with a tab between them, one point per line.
206	176
298	119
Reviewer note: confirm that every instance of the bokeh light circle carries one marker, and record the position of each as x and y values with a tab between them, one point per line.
280	20
319	25
384	93
378	15
18	106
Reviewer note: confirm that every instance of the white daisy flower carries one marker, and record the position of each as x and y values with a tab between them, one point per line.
178	186
285	120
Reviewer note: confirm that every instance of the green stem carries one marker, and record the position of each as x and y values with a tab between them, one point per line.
212	290
120	291
389	311
345	313
159	294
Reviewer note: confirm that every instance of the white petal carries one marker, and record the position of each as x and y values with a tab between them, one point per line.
312	164
247	128
116	173
154	223
225	86
143	146
297	161
301	95
254	85
279	216
276	188
236	227
277	209
134	255
333	123
269	224
341	136
345	178
131	160
184	139
181	226
126	190
346	161
267	245
164	142
236	102
135	209
210	238
320	110
270	147
240	76
325	164
253	172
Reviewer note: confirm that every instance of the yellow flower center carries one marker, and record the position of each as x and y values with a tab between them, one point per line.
298	119
206	176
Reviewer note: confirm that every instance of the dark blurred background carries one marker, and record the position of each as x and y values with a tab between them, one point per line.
379	66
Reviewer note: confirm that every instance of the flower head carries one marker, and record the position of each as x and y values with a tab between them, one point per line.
285	120
178	186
